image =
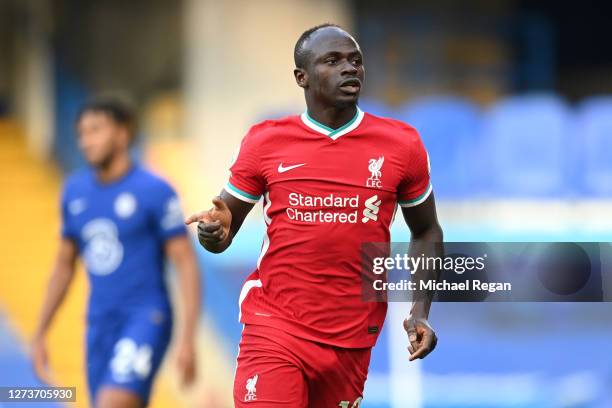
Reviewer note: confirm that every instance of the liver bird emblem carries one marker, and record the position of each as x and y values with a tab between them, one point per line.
374	166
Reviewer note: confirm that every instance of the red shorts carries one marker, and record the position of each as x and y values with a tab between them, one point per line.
276	369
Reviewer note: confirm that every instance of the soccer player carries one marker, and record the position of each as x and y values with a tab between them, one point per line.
331	179
124	222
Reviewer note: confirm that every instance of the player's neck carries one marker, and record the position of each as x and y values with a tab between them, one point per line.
116	168
332	117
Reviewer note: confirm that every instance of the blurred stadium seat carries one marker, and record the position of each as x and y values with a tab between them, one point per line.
69	97
450	128
525	149
594	142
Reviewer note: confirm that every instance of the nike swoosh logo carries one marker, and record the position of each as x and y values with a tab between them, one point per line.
282	169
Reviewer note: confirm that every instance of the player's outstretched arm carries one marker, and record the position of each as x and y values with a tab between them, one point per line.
218	226
61	277
182	255
426	238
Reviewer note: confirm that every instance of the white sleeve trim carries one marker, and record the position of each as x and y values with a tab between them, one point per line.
418	200
239	196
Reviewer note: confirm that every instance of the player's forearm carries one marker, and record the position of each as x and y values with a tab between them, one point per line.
191	306
189	282
432	234
427	243
59	283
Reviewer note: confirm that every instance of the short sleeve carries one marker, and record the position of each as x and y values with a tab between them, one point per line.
167	212
246	181
67	230
415	186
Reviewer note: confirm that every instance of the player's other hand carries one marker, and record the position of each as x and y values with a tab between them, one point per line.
422	339
214	224
40	360
186	363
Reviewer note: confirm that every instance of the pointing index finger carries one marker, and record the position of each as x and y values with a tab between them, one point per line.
195	217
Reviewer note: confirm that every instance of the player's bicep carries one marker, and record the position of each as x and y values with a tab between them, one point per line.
239	209
68	207
67	254
415	186
422	219
246	182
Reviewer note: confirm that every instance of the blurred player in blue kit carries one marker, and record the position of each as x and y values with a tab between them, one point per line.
123	221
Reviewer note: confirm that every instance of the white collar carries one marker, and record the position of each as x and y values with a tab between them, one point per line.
333	133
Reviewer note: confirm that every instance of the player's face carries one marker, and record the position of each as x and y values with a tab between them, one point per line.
99	137
335	72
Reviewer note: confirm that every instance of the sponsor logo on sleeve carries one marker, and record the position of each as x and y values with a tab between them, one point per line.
173	215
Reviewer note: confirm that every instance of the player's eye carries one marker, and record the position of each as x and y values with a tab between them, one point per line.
357	61
331	61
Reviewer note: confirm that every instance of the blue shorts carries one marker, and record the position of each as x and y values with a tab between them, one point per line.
125	349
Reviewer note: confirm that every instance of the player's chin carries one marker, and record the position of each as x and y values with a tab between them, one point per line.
347	99
92	160
95	160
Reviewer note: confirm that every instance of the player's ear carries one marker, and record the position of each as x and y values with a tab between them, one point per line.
301	77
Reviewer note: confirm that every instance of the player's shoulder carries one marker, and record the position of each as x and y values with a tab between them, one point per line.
78	180
396	132
150	182
271	127
395	126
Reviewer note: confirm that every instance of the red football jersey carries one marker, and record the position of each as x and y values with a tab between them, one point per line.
325	193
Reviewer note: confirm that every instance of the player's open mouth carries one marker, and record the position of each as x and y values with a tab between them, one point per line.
350	86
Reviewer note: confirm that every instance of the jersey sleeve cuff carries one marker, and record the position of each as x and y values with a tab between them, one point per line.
418	200
240	194
64	234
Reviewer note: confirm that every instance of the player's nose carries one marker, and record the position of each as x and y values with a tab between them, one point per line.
348	68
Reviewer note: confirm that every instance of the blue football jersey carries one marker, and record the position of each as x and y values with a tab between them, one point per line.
120	229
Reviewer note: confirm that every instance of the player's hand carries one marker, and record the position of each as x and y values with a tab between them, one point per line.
422	339
214	224
40	361
186	363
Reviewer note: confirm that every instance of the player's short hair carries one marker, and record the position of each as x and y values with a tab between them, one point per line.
120	111
300	55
